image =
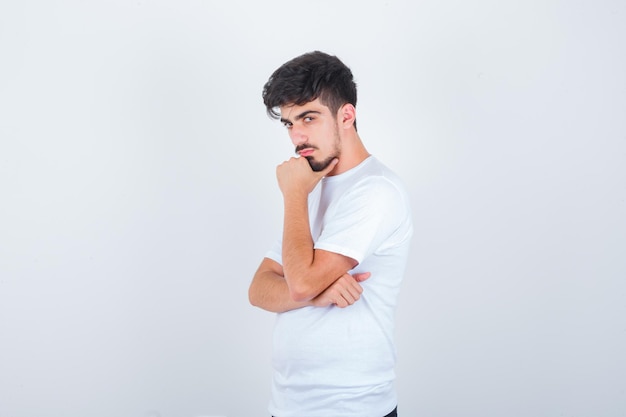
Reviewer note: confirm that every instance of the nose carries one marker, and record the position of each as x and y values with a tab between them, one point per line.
297	135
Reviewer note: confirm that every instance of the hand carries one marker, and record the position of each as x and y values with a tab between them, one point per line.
343	292
296	175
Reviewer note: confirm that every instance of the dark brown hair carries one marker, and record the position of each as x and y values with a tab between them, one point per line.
306	78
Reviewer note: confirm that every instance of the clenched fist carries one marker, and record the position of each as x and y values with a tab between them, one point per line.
296	176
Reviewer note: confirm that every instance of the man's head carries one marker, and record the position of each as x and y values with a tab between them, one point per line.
313	95
314	75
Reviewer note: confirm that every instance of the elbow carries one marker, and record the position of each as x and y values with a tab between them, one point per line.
300	288
252	296
301	293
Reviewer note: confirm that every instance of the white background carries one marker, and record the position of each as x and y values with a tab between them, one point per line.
138	197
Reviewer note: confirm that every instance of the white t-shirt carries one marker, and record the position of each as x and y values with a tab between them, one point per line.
333	362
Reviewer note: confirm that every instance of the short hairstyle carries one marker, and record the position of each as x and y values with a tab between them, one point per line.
306	78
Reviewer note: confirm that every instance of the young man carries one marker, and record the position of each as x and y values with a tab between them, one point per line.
334	277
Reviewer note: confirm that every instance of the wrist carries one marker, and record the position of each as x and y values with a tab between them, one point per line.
296	197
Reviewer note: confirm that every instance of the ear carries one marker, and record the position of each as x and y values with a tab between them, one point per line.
347	115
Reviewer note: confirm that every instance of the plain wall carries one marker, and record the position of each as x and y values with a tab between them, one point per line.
138	196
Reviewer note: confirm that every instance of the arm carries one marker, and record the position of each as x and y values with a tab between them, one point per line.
269	290
308	272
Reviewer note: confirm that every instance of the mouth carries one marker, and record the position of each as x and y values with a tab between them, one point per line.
305	152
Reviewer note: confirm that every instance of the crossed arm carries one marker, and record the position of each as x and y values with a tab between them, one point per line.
269	290
308	276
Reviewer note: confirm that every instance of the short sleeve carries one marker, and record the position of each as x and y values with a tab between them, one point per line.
364	219
275	252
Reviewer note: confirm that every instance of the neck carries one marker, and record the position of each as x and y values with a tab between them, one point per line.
353	152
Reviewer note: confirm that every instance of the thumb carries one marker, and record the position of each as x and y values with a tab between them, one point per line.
361	276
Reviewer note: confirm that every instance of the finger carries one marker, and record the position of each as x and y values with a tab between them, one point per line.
361	276
351	291
352	294
349	287
358	290
344	294
351	298
341	302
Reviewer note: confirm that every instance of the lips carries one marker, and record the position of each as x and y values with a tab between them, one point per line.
305	152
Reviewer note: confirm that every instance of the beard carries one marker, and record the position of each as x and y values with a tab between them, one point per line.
318	166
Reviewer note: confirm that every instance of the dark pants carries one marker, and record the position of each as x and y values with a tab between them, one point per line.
394	413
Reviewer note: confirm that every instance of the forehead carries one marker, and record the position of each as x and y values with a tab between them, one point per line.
292	111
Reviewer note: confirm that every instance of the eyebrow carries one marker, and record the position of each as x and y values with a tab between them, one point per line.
300	116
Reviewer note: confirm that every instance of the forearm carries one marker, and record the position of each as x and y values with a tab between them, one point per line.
308	272
270	292
298	253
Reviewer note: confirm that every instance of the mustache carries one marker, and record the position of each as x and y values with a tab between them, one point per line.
305	146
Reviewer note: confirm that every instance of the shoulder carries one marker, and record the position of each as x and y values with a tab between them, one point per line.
378	180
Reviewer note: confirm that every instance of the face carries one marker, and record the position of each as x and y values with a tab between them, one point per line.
314	132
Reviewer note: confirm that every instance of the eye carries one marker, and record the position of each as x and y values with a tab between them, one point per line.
288	125
308	119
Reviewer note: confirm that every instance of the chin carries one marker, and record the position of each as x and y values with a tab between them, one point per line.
318	166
